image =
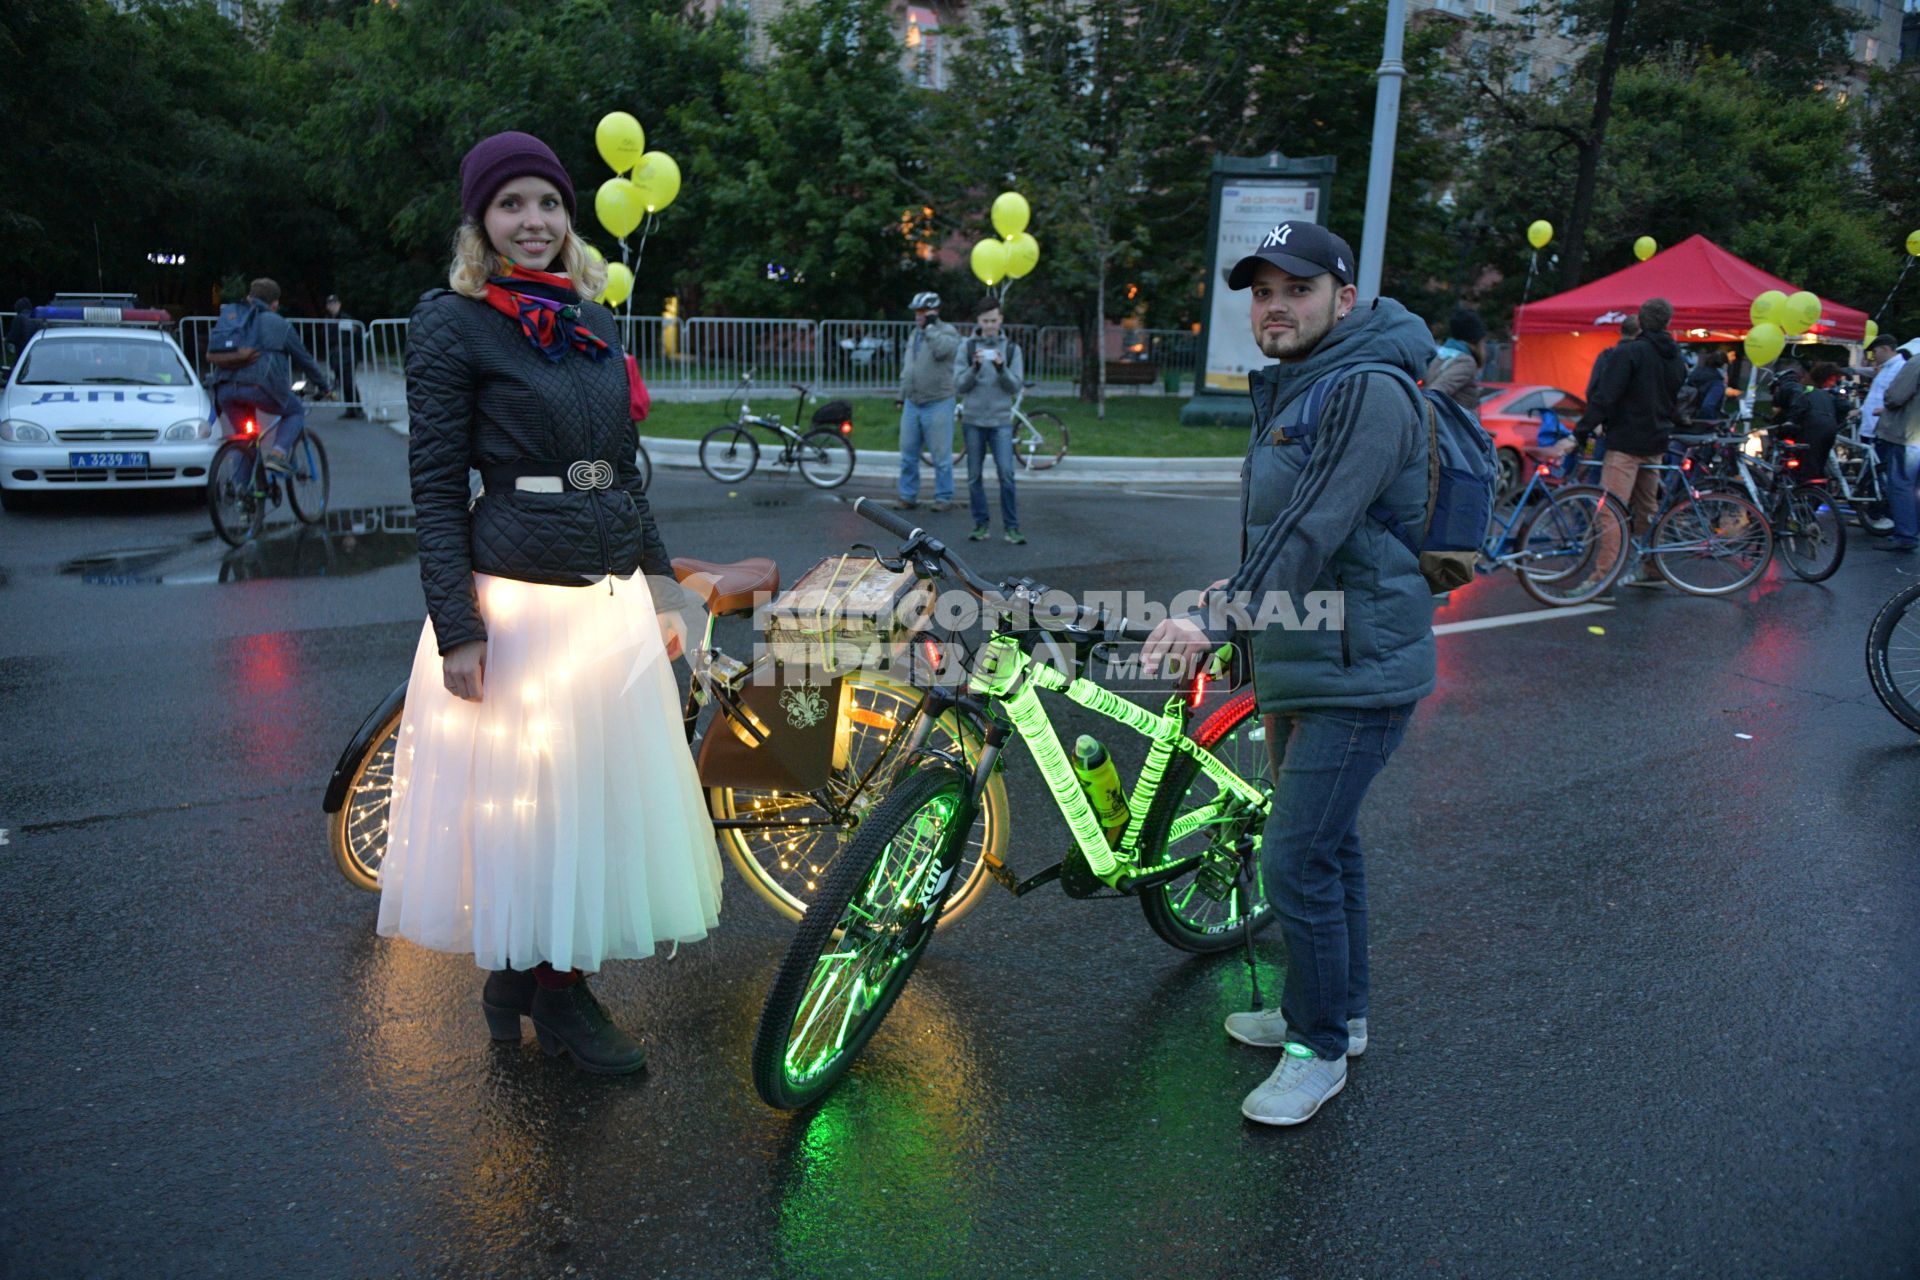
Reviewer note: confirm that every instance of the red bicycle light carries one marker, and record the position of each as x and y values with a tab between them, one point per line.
1542	469
1686	464
1793	464
1199	689
846	428
248	427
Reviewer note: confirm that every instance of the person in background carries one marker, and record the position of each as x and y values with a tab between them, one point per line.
1809	415
22	327
343	353
1629	330
1896	439
1633	396
266	385
1709	383
926	404
1454	370
991	378
1885	358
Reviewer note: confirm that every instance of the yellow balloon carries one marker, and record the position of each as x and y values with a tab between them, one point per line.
1873	331
1645	247
1769	308
1539	233
1913	243
1023	254
989	261
620	140
619	284
658	178
1803	312
1764	343
1010	213
617	205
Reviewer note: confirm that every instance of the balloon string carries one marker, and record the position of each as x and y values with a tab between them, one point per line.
1526	291
1896	288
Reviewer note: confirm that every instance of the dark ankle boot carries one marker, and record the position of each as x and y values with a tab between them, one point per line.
507	996
570	1020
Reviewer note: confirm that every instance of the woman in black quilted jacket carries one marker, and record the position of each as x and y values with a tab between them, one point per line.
546	816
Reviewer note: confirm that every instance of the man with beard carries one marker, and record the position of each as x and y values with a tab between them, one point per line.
1341	437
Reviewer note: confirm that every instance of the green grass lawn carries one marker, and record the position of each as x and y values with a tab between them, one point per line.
1135	426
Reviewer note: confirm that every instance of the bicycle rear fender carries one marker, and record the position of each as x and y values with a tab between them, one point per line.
359	745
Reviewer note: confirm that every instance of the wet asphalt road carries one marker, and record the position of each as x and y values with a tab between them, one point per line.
1644	989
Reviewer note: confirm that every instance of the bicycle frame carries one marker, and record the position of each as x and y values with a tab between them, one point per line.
1010	680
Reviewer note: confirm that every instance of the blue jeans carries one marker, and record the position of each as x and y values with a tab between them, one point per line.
1325	758
931	424
292	412
1900	470
1000	440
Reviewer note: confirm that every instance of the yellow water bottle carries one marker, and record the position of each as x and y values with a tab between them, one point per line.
1101	781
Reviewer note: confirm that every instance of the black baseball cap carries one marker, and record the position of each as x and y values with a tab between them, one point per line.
1298	248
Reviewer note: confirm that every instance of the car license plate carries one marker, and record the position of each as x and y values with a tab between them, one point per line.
97	461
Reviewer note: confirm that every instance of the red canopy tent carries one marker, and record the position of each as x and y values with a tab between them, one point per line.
1557	339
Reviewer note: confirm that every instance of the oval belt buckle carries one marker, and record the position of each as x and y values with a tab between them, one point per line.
591	475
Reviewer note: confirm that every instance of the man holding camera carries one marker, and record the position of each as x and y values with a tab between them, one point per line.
926	404
990	381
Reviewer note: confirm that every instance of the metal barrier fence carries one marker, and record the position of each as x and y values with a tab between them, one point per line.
339	346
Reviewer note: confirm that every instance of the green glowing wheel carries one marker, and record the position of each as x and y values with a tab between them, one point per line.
1203	911
860	938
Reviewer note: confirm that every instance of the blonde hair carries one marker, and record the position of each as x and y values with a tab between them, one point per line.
474	260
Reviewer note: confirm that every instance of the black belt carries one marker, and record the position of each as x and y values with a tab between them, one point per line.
578	476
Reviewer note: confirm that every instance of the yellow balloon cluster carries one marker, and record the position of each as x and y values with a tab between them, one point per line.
1017	253
623	201
1539	233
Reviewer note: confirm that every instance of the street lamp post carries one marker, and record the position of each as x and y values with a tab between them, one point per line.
1386	127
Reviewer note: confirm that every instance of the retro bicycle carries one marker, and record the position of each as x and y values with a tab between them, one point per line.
786	807
240	487
1188	849
729	453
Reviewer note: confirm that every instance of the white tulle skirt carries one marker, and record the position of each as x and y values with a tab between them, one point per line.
559	818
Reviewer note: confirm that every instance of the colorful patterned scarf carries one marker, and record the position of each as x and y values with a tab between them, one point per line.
548	310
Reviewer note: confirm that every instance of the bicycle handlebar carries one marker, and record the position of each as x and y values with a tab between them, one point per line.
918	539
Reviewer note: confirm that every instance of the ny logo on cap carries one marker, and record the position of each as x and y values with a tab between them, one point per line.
1278	236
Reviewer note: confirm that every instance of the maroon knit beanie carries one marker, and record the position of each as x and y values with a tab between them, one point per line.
496	161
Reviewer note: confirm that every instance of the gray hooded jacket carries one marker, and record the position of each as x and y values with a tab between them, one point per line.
926	366
1307	530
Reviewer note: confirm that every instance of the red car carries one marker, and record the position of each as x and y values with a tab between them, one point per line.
1511	414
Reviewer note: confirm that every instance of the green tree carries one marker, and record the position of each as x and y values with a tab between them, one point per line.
807	161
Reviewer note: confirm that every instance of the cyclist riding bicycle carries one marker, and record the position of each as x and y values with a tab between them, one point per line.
265	383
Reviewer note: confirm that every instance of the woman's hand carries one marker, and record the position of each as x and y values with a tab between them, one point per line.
673	634
462	668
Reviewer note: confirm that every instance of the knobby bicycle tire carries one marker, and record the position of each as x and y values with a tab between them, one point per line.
873	917
1179	911
1815	541
1893	656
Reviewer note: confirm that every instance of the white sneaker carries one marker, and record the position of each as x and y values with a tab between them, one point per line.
1298	1087
1267	1029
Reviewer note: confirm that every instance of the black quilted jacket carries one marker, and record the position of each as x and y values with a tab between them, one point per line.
479	395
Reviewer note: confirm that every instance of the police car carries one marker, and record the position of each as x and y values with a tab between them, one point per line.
102	399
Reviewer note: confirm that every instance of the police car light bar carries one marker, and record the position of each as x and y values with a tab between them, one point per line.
104	315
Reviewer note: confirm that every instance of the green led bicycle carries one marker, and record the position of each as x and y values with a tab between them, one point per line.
1189	850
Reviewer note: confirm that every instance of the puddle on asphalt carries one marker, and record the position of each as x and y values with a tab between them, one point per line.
350	541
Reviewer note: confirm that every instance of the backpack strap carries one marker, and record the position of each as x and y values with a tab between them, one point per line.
1304	431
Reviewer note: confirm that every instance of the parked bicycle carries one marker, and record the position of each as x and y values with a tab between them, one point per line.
1187	846
1704	541
1555	536
1853	474
1039	438
240	487
824	454
1893	656
784	839
1809	531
